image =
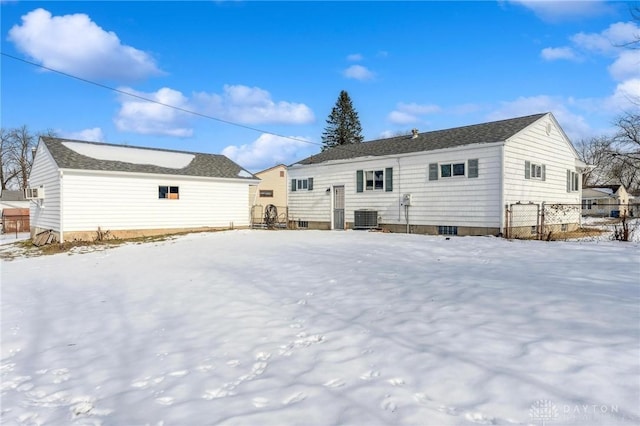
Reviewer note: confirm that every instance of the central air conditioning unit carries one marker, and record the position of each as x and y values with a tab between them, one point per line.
34	193
365	219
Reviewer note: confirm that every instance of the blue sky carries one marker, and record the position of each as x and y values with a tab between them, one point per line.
275	69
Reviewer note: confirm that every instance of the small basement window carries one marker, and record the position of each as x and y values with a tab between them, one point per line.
169	192
447	230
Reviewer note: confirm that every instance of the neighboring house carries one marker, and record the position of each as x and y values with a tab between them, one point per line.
13	199
272	190
605	200
88	188
15	220
634	203
457	181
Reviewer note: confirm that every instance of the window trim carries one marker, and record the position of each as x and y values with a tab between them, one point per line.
452	169
381	180
168	192
573	181
377	180
531	170
265	193
305	184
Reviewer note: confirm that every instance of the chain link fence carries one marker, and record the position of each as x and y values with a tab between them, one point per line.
546	221
522	221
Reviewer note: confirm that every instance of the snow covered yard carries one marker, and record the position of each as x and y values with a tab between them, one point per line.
324	328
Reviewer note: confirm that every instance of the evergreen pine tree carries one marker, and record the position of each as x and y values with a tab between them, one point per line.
343	125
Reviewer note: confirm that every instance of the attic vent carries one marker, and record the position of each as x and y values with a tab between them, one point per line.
365	219
414	133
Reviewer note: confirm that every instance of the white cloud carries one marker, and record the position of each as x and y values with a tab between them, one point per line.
354	57
555	11
92	135
418	109
400	117
608	41
76	45
612	42
575	126
252	105
269	150
410	113
382	54
627	65
554	53
237	104
140	116
625	96
624	69
358	72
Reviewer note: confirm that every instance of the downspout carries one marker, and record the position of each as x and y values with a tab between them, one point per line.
253	203
399	191
502	197
61	207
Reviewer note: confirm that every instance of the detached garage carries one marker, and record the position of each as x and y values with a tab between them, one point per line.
80	190
15	220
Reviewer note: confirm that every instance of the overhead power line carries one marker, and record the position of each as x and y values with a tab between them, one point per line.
177	108
187	111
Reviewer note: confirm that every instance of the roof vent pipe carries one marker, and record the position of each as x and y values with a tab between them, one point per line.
414	133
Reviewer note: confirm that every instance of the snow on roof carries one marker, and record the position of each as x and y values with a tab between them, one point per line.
244	173
607	191
171	160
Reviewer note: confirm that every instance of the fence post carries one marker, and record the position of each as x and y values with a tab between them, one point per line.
506	221
289	226
542	232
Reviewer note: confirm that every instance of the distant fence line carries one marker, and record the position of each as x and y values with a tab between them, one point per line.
540	221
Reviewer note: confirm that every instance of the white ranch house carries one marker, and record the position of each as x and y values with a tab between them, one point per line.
80	187
458	181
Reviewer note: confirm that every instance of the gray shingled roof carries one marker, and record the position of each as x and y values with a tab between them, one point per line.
204	165
12	195
496	131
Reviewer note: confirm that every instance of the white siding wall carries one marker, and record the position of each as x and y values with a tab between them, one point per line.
551	150
45	214
128	202
446	201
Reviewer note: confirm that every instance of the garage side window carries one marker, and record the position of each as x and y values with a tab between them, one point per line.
169	192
